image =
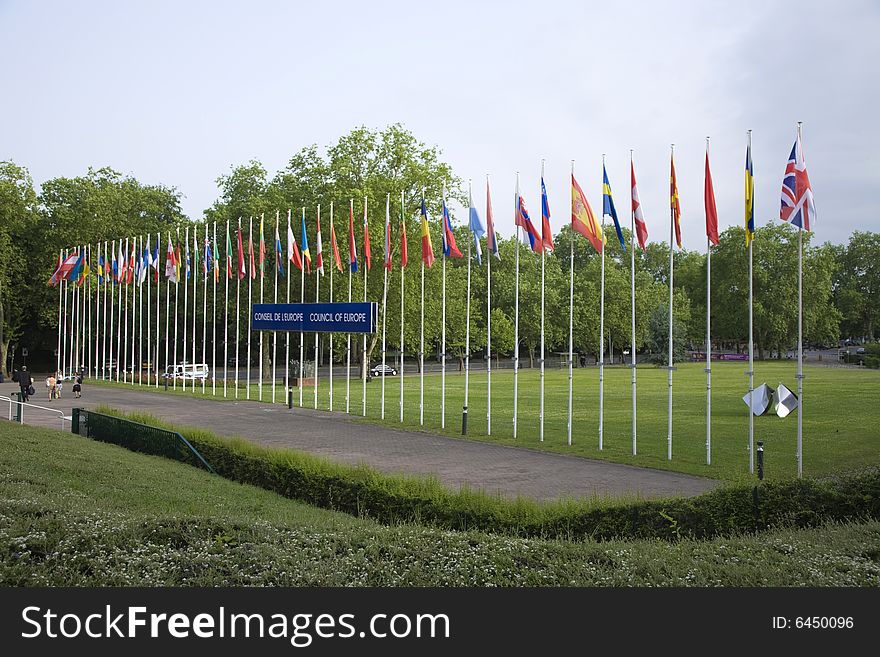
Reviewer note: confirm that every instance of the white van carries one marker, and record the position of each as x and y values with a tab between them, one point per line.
188	372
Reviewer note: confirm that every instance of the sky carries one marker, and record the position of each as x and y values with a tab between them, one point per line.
177	93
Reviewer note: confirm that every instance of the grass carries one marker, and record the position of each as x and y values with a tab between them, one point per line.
841	426
79	513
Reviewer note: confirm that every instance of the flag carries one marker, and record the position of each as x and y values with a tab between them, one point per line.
156	261
582	218
216	256
476	226
177	260
333	245
279	258
241	265
64	268
115	266
228	253
367	255
85	269
292	249
750	197
608	207
797	195
546	233
449	246
388	235
352	250
523	220
186	251
673	202
711	210
145	265
307	255
170	263
404	251
262	250
100	270
251	250
76	271
491	238
641	226
108	273
427	249
208	263
319	247
132	264
121	264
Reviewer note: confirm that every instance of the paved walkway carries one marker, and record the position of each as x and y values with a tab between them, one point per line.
509	471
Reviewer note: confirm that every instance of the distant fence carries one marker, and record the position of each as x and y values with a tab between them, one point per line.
136	436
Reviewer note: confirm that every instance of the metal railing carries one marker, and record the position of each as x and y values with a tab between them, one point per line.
19	416
136	436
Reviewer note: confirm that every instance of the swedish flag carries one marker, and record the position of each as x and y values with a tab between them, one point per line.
750	197
608	206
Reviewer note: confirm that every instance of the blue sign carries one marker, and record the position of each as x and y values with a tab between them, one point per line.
315	317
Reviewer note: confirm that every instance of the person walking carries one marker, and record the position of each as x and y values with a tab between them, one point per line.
50	386
77	386
25	382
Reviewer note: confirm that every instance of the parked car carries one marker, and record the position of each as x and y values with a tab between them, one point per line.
187	372
383	370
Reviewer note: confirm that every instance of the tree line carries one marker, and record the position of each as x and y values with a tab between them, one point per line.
841	282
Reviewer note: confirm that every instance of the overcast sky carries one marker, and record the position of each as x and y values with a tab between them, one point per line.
178	92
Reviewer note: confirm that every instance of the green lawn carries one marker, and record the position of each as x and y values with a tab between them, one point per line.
841	420
74	512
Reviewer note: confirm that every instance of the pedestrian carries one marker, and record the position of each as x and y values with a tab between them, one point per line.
77	386
25	382
50	387
58	386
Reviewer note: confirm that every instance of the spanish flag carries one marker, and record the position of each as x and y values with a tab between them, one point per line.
582	218
673	201
427	249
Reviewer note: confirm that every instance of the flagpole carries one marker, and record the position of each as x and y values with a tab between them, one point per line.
158	297
708	341
275	301
149	309
194	261
800	363
422	336
384	292
671	272
93	358
205	304
402	220
125	336
262	276
87	345
119	296
134	306
60	284
107	284
240	254
348	335
571	313
332	267
516	315
287	391
751	371
543	253
140	360
302	299
489	317
602	332
364	363
250	275
317	300
467	330
216	256
632	277
226	311
186	274
167	309
443	325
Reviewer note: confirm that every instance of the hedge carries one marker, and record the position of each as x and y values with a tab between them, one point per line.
390	499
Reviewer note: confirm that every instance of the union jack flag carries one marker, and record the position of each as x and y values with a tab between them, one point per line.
797	195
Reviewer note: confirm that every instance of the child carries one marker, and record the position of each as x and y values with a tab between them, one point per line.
50	386
58	385
77	387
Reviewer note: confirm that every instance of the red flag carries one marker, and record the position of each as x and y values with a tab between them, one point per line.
641	226
366	236
251	250
673	201
241	269
403	249
333	245
711	211
352	249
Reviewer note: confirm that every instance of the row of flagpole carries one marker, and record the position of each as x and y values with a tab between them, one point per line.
80	313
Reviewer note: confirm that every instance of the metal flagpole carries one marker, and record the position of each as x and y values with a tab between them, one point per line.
125	334
632	279
751	371
107	283
348	336
119	296
149	275
237	302
384	292
422	334
109	351
800	363
443	324
671	272
602	333
214	314
158	296
250	275
87	345
140	360
134	305
364	363
467	328
287	391
489	317
571	316
63	352
708	341
60	284
186	275
317	298
275	301
262	276
97	316
194	266
176	295
226	311
332	267
302	299
516	314
402	271
167	310
205	306
543	252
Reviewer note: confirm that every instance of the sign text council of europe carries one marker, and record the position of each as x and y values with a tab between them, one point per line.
315	317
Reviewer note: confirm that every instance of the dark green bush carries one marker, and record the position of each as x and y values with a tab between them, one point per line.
363	491
873	362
